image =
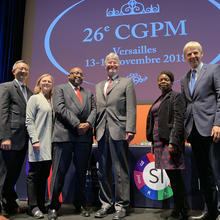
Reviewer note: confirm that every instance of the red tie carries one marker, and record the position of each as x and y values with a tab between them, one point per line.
78	94
108	87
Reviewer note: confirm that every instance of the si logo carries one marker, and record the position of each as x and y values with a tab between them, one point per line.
153	183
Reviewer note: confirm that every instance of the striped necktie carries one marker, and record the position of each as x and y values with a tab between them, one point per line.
108	87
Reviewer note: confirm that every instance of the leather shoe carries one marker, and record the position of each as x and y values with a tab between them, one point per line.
119	214
175	215
52	214
203	216
9	209
101	213
36	213
83	211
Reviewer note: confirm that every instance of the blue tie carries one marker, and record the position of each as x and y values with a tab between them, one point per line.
24	91
193	81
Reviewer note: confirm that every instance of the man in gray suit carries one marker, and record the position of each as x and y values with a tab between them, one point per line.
115	128
75	113
201	88
13	134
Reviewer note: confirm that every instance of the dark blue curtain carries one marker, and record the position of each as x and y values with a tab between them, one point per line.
11	34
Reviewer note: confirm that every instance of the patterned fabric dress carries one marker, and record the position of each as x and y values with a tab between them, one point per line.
163	159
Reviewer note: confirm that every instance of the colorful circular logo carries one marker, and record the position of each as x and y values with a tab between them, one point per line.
153	183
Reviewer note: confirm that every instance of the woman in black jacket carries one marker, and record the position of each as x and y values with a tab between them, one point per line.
165	129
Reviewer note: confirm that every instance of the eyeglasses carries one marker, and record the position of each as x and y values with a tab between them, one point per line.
77	73
23	68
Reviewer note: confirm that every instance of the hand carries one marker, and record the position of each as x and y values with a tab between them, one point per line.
216	133
6	144
129	137
172	148
36	147
82	128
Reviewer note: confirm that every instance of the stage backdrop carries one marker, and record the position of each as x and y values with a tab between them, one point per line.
148	36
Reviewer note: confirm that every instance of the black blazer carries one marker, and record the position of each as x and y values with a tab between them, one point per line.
170	119
12	114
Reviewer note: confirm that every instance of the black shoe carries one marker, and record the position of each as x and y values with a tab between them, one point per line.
119	214
175	214
52	214
44	209
101	213
185	213
36	213
204	216
9	209
83	211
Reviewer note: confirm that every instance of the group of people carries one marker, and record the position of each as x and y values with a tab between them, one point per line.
56	126
194	116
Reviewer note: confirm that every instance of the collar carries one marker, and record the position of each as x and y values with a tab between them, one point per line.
19	83
198	68
113	78
74	86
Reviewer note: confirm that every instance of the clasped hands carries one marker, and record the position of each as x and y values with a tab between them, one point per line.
82	128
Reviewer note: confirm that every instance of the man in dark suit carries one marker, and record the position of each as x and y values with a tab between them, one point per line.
201	88
75	113
13	134
115	128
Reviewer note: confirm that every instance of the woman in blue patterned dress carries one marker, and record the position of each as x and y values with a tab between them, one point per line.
165	129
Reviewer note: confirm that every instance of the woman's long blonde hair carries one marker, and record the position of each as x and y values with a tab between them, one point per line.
37	88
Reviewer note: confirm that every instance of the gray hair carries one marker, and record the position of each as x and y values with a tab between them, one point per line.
112	56
19	61
195	44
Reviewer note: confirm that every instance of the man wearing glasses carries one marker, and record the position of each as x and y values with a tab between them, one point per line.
13	134
75	113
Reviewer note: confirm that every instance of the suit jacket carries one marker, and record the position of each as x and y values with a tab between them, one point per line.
12	114
119	108
170	119
203	107
69	112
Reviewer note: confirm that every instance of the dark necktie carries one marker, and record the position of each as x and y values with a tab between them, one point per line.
78	94
108	87
193	81
24	91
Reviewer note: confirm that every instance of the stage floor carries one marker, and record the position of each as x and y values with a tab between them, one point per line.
67	213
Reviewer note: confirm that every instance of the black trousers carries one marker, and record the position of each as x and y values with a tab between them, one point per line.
178	188
36	183
113	154
215	155
63	154
12	162
202	148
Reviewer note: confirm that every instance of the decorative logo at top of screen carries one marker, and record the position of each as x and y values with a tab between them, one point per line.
133	8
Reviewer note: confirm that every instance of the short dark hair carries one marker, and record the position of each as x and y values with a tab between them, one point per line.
168	73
